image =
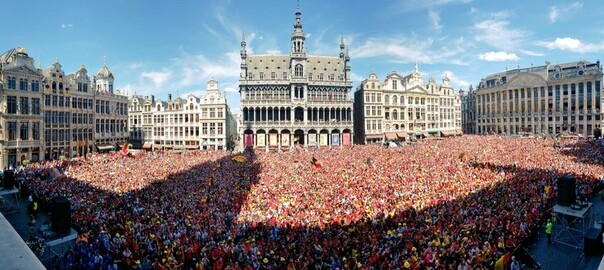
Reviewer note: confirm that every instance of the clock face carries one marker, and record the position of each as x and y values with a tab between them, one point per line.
580	73
557	75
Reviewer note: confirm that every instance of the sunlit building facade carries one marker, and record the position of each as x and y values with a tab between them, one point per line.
190	123
404	108
295	99
549	99
21	117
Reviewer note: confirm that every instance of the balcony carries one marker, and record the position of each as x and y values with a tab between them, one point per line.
22	144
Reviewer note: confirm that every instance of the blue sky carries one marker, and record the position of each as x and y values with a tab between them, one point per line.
162	47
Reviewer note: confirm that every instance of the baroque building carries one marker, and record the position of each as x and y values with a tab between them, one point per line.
296	98
404	108
21	118
468	111
203	122
110	112
549	99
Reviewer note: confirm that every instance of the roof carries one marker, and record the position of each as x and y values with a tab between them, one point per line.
104	72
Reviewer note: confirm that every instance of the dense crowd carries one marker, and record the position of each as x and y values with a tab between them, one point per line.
458	203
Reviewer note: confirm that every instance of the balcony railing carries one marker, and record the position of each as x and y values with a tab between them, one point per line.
20	143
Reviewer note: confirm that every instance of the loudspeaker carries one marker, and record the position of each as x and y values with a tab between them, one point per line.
593	242
8	180
566	190
61	215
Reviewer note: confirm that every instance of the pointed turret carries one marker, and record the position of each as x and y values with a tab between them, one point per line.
298	49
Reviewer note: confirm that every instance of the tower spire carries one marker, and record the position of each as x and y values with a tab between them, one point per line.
298	38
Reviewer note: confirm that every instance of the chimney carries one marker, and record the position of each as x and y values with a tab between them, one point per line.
152	99
169	97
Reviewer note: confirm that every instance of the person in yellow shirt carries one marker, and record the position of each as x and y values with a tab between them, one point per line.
548	231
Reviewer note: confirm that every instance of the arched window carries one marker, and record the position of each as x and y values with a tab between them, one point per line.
394	115
386	99
299	70
394	100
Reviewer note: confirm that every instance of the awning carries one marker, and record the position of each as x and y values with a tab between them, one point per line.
390	135
106	147
459	132
401	134
168	146
426	134
448	132
147	146
374	137
192	146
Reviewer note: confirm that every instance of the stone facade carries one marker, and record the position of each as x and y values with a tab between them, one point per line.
549	99
404	108
204	122
21	118
295	99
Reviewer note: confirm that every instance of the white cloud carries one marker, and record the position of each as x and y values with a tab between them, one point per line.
531	53
497	33
157	77
556	12
188	73
356	77
573	45
410	5
66	25
408	50
435	18
498	56
457	82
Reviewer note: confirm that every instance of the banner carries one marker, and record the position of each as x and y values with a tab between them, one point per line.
335	139
312	139
346	139
272	139
249	140
323	139
261	139
284	139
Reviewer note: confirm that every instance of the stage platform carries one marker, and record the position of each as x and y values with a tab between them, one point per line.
15	253
8	207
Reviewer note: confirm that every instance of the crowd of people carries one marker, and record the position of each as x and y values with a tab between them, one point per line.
458	203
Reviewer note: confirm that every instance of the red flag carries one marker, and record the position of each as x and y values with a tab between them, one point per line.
125	148
316	163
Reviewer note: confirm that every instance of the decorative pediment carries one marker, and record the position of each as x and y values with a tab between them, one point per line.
417	89
23	70
526	81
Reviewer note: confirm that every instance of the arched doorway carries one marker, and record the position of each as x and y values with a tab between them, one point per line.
261	138
285	138
324	137
248	138
312	138
273	138
299	137
346	137
335	137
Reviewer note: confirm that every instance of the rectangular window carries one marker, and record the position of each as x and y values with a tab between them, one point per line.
61	101
204	129
24	131
47	101
219	129
394	85
11	83
35	130
35	106
54	101
23	84
11	105
12	130
24	104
